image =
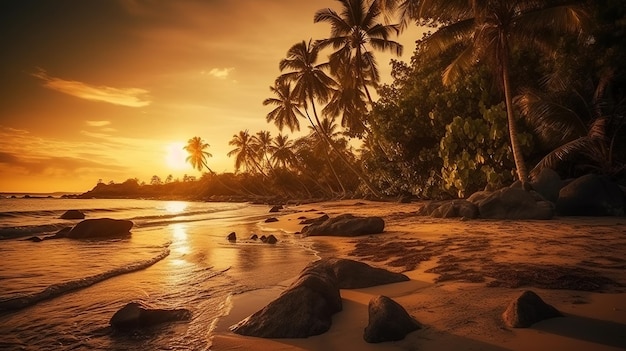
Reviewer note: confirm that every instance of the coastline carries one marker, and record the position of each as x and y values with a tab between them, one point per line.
463	274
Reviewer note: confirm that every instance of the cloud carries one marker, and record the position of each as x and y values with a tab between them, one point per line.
221	73
130	97
98	123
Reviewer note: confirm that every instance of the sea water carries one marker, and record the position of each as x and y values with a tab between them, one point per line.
85	282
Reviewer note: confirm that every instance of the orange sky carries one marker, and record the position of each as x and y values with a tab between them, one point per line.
112	89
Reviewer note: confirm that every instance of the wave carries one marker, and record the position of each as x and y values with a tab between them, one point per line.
59	289
14	232
58	213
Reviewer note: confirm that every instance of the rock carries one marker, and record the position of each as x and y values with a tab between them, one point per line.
34	239
263	238
139	315
232	237
73	214
100	228
455	209
548	184
479	196
388	321
271	220
590	195
355	275
514	203
271	239
346	225
62	233
317	220
304	309
528	309
254	237
276	208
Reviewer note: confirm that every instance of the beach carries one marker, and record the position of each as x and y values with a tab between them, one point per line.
463	274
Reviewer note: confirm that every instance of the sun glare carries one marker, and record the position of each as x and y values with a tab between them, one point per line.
175	156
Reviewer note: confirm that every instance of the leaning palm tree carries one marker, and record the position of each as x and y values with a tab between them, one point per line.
287	108
262	142
245	153
488	29
355	33
197	154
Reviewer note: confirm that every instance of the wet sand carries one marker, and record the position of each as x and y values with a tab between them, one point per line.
463	275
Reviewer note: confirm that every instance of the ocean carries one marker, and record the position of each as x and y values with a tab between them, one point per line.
88	281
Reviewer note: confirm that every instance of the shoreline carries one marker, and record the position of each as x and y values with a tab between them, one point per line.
460	284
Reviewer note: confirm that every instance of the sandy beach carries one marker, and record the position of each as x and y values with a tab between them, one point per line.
462	276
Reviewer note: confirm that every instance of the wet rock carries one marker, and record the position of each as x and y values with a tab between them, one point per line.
140	315
355	275
100	228
346	225
271	220
34	239
316	220
276	208
528	309
73	214
232	237
263	238
271	239
254	237
591	195
388	321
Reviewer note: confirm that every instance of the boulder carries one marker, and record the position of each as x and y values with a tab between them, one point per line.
34	239
548	184
591	195
514	203
455	209
304	309
388	321
139	315
232	237
254	237
355	275
100	228
263	238
528	309
276	208
73	214
271	239
346	225
316	220
271	220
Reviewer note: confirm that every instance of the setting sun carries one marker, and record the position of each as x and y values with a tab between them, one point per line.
175	156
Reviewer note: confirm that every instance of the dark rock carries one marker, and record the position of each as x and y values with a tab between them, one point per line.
590	195
271	220
276	208
263	238
514	203
100	228
428	208
346	225
254	237
34	239
405	199
304	309
388	321
479	196
301	217
456	208
528	309
62	233
316	220
355	275
232	237
271	239
73	214
139	315
548	184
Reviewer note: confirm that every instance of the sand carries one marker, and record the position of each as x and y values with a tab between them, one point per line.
463	275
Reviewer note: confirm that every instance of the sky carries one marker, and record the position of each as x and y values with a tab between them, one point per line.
113	89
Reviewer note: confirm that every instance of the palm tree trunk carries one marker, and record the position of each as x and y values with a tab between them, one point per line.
522	172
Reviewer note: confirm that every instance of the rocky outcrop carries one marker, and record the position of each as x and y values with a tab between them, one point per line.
388	321
548	184
528	309
139	315
231	236
513	203
306	307
100	228
271	239
73	214
453	209
346	225
591	195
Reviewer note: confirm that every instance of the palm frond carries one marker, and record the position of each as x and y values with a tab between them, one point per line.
460	65
446	37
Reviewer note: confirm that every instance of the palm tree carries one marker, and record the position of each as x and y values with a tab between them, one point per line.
348	101
197	154
355	33
244	152
262	141
488	29
287	108
282	150
312	84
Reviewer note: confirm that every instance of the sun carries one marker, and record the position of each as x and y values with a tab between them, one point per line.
175	156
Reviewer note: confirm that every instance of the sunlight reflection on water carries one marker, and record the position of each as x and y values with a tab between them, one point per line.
175	207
